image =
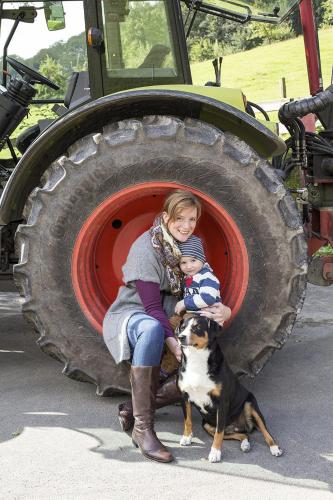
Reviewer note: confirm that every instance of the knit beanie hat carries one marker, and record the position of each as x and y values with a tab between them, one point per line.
193	248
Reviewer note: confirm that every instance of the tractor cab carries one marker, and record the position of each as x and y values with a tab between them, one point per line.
135	44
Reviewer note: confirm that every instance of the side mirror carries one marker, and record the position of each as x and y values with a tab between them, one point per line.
54	16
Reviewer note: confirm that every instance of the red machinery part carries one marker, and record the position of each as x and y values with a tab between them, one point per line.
320	229
311	46
103	243
326	224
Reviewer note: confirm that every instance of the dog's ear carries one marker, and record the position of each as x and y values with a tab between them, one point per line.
208	324
215	330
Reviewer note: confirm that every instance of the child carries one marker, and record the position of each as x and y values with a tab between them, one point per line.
202	288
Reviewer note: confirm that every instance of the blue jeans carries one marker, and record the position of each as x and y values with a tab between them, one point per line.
146	339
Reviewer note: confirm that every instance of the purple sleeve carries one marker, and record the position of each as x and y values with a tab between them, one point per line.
150	296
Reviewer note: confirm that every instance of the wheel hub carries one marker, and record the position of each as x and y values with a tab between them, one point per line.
103	243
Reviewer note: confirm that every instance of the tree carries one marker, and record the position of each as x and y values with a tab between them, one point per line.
144	27
323	10
52	70
213	34
70	54
328	12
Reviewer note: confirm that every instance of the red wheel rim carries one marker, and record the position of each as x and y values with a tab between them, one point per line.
102	245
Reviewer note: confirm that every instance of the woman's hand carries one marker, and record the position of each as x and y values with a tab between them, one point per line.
180	307
174	347
218	312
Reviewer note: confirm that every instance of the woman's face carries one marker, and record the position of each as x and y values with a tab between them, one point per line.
183	226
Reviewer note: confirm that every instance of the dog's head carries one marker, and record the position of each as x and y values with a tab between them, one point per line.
197	331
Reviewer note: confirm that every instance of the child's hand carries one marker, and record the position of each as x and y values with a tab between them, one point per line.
180	307
174	347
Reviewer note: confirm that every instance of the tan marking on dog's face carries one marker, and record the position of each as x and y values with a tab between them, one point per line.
191	333
216	391
199	341
194	331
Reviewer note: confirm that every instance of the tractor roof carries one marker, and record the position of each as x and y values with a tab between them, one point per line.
270	11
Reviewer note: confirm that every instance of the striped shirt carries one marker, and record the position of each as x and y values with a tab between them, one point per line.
201	290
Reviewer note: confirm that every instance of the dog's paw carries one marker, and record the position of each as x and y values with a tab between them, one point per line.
275	450
186	440
245	445
214	455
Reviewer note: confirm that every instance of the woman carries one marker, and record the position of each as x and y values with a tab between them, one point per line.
136	325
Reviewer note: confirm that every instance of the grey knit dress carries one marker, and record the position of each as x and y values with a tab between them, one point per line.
142	263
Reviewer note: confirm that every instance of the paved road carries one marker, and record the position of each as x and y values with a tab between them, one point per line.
59	440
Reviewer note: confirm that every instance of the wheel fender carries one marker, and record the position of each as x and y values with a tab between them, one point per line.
131	104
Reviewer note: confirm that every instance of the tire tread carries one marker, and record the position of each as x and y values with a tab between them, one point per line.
119	135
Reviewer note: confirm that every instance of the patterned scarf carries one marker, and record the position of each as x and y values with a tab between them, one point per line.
168	252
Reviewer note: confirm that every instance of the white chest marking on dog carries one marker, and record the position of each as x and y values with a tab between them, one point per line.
195	380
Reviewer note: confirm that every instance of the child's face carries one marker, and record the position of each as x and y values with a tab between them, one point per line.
190	265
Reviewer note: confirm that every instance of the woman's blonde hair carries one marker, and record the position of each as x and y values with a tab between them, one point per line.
178	200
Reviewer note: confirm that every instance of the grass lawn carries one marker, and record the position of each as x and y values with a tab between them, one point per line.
258	71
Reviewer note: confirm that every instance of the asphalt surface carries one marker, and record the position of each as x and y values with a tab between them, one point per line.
59	440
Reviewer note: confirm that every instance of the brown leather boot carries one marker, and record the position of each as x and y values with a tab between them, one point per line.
167	394
125	415
144	381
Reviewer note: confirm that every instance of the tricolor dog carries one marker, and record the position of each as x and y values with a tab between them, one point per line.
228	410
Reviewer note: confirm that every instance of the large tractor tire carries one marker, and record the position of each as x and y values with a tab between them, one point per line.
105	191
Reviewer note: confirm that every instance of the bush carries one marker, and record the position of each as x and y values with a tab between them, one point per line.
52	70
211	37
328	12
268	33
201	50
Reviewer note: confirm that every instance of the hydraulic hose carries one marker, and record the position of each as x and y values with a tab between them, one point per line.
296	109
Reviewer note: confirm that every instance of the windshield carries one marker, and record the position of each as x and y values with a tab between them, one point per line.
270	11
140	48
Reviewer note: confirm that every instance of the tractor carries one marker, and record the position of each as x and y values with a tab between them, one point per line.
131	128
